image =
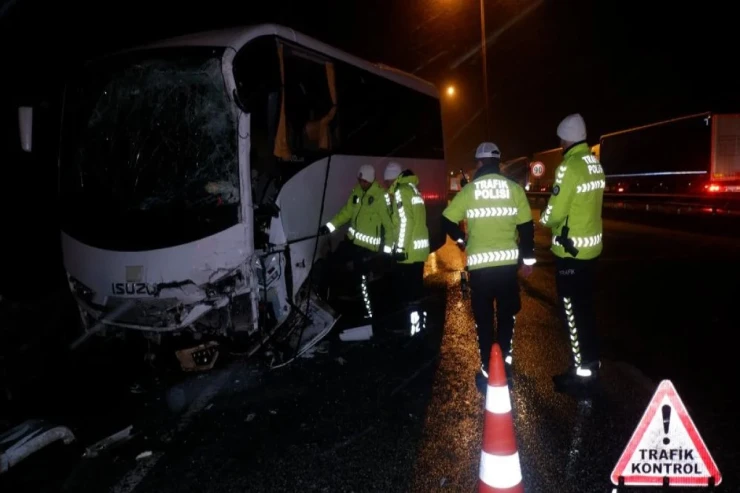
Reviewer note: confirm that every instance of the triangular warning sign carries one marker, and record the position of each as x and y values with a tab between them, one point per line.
666	444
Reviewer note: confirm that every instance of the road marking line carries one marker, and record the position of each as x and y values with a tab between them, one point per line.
130	480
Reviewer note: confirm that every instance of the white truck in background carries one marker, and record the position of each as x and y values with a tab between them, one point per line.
695	154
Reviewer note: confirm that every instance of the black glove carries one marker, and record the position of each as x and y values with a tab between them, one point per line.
324	230
399	254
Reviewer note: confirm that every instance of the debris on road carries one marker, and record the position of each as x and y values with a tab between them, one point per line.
27	438
362	333
314	325
198	358
144	455
117	438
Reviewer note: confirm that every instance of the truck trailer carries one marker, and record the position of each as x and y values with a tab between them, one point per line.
695	154
518	170
543	165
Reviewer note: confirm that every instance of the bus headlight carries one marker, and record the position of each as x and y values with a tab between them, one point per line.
80	290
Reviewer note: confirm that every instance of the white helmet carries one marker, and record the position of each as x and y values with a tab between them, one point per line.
367	172
487	149
392	171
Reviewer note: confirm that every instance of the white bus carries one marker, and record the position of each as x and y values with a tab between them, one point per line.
195	172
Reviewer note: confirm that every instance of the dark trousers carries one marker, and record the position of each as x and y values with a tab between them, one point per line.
575	283
408	289
499	284
351	262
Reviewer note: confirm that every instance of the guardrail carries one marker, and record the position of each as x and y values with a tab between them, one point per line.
720	203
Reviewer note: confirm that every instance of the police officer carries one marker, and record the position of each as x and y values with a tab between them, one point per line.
496	209
574	215
370	229
409	217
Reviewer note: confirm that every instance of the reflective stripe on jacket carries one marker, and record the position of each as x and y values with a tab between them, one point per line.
577	195
494	206
409	216
370	224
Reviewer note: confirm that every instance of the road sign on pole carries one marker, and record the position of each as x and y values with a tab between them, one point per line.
538	169
666	448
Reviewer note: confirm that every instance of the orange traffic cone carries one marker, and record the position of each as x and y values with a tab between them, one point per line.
499	471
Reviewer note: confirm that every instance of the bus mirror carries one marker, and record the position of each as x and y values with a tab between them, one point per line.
268	210
25	127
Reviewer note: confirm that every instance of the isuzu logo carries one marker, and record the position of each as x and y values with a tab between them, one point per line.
133	284
133	288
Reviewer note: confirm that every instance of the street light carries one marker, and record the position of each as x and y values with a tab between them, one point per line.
485	65
450	91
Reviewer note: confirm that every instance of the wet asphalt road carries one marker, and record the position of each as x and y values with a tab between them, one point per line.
403	415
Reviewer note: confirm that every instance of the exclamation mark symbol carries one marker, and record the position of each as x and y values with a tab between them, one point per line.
666	422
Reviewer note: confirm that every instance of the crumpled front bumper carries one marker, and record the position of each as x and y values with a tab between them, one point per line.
150	314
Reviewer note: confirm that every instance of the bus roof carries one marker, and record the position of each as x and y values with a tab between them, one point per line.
236	37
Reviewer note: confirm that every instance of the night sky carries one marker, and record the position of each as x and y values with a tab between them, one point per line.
618	63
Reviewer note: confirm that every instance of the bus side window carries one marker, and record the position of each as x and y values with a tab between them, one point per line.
382	118
310	102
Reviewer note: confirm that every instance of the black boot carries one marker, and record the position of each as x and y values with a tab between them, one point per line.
481	382
481	378
578	378
509	369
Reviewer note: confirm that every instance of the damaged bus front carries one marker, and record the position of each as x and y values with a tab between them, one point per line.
156	207
194	175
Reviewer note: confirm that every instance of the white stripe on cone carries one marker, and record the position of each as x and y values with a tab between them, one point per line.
498	400
499	471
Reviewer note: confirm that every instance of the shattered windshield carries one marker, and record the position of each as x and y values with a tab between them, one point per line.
151	136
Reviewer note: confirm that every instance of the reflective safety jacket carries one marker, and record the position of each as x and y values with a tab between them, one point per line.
409	215
370	224
494	207
577	197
